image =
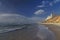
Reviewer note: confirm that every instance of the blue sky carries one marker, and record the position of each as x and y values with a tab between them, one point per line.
14	11
30	8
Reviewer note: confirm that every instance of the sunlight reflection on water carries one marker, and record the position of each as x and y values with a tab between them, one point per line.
30	33
45	34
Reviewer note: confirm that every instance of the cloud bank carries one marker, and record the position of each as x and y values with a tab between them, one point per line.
13	19
7	18
36	19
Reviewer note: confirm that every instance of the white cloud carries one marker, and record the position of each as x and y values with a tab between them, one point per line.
55	1
13	18
37	19
51	4
41	6
44	3
39	12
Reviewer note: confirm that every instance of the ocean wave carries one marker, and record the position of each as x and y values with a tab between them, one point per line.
7	29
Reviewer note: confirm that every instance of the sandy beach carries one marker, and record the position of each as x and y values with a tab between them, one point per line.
21	34
28	33
55	29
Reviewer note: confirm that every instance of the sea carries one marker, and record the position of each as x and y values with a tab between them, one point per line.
25	32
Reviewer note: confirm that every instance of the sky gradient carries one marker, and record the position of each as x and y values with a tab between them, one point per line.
30	8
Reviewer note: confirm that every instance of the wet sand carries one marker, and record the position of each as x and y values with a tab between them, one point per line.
21	34
55	29
29	33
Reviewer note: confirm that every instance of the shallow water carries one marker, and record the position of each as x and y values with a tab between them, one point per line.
30	32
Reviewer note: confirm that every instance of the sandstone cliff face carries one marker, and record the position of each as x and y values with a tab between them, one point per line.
53	24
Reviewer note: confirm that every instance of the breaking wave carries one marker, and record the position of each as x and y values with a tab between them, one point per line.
7	28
